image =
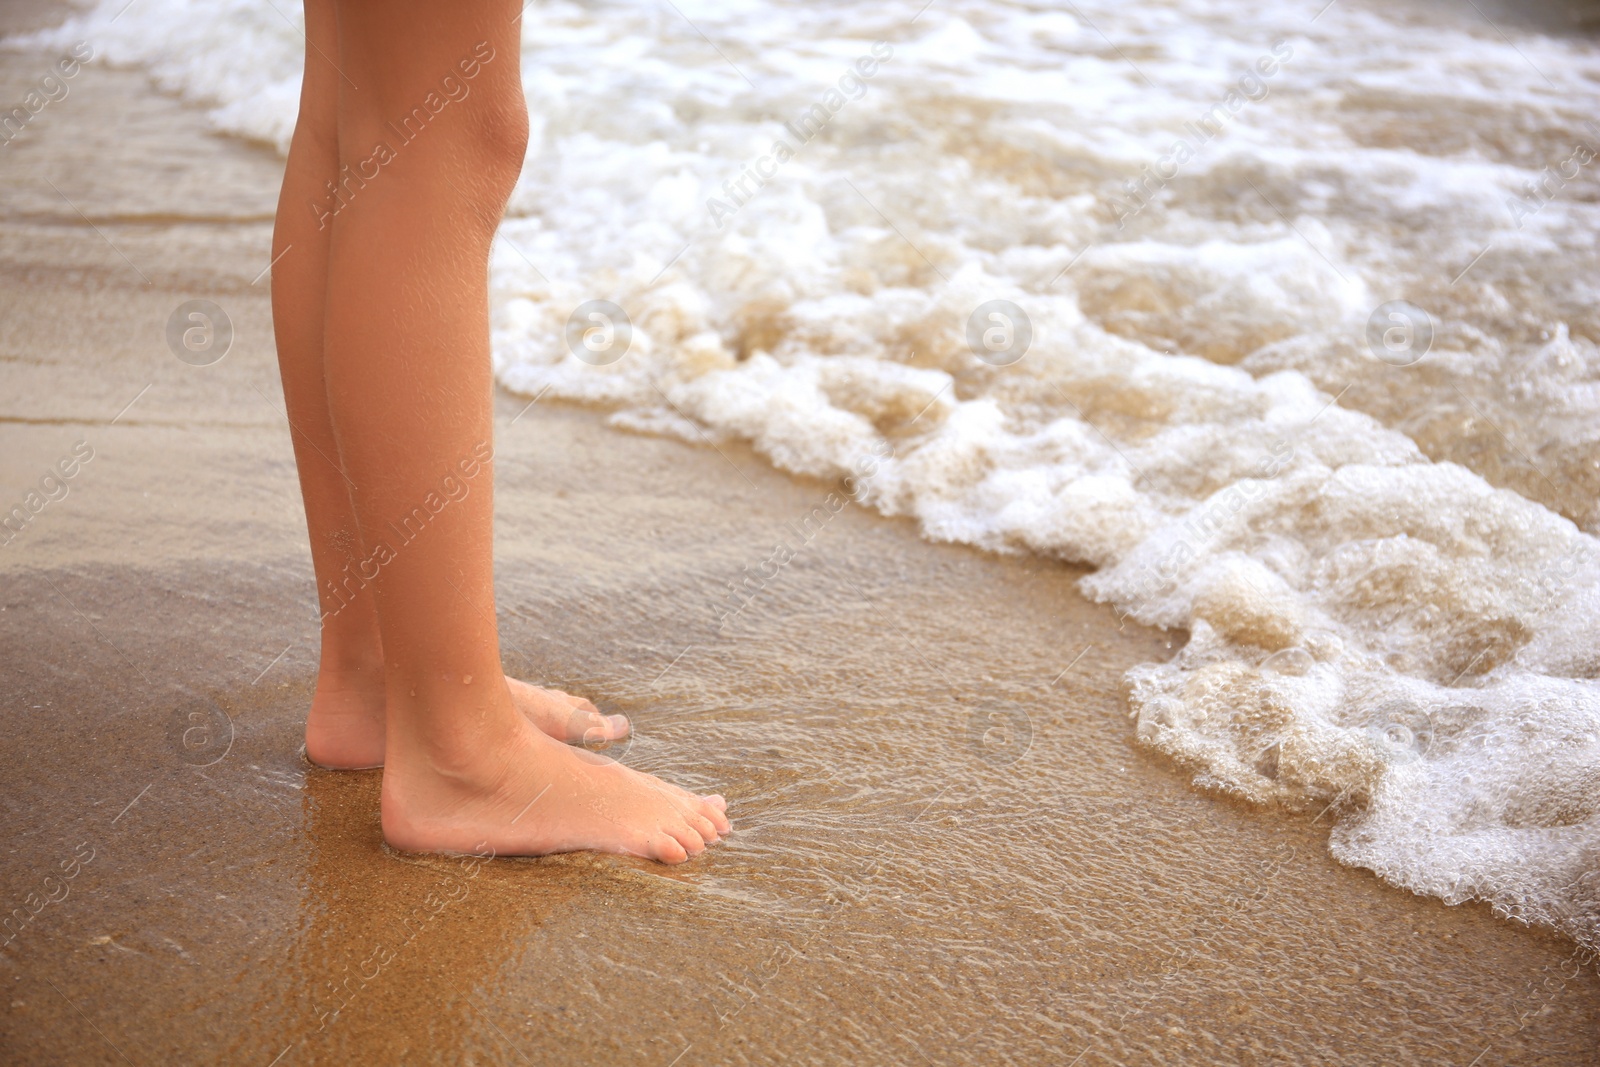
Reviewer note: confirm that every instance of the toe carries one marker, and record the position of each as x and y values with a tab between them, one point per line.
687	836
716	814
666	848
704	827
592	728
695	807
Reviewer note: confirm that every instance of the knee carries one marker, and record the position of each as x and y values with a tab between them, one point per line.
499	144
485	151
476	147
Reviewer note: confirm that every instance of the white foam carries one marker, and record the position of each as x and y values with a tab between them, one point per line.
1370	630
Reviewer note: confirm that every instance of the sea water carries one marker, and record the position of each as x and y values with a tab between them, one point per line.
1284	320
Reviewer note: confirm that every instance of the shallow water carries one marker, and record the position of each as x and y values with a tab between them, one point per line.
1375	632
950	847
1382	548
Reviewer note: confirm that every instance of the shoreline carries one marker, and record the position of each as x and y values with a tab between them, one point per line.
946	837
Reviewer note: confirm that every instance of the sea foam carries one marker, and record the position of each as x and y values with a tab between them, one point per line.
1384	558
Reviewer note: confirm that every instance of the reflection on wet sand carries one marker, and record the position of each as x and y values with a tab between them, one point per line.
375	928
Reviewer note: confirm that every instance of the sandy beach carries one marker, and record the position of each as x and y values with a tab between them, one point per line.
948	847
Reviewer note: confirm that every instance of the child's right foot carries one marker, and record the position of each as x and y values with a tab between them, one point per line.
530	795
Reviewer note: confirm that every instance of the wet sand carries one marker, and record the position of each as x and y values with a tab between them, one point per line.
948	847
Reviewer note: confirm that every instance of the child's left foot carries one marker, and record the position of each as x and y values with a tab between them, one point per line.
566	717
344	729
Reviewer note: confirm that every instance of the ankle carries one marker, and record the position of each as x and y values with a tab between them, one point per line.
349	687
361	672
456	732
351	647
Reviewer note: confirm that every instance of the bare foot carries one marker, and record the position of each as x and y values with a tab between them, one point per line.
528	794
345	727
566	717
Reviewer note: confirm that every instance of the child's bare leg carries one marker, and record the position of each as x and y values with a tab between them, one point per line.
346	722
410	392
339	730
